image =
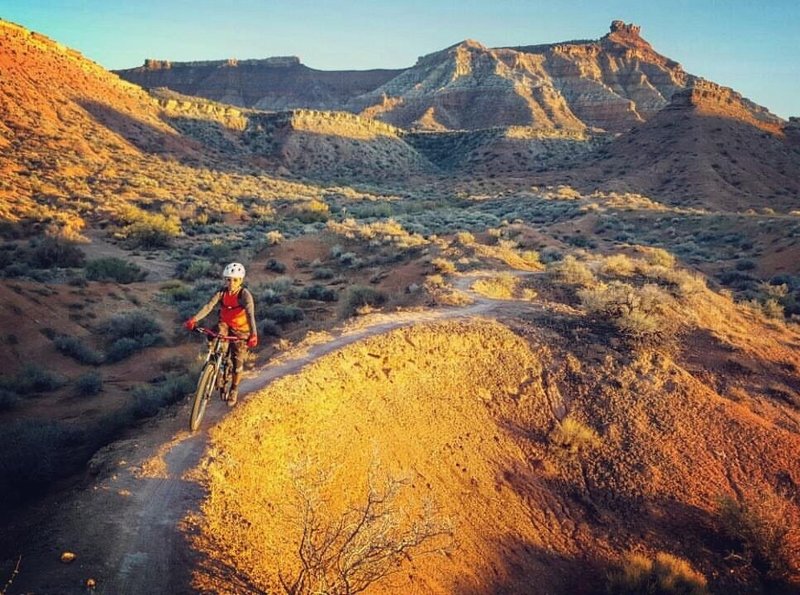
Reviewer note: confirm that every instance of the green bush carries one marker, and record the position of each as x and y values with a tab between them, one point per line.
191	270
359	296
128	333
323	273
74	348
133	325
664	575
318	292
275	266
89	384
32	379
50	252
284	314
270	328
114	269
149	399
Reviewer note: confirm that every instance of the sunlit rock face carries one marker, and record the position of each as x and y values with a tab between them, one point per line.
611	84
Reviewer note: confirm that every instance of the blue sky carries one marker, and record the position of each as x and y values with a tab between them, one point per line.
749	45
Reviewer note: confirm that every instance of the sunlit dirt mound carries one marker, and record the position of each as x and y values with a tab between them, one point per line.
516	467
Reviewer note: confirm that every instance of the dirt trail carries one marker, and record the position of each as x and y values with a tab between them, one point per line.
127	529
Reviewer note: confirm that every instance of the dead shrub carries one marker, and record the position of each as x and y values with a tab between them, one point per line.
640	314
664	575
341	553
573	435
765	524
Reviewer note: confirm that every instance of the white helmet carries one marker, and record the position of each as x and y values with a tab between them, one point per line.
234	270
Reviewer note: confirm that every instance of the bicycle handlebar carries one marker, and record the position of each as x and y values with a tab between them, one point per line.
216	335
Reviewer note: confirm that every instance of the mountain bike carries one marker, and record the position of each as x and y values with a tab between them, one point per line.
217	373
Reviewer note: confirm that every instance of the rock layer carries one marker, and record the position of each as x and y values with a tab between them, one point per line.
612	84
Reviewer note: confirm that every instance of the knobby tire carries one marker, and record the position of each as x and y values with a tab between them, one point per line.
204	387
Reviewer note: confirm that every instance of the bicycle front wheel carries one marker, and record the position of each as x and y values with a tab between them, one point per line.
204	387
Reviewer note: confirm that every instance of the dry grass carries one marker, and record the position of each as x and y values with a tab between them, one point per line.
664	575
574	435
499	287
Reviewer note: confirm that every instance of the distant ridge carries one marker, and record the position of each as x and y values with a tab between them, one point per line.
611	83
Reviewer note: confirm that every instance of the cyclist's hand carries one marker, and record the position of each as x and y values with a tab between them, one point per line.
190	324
252	340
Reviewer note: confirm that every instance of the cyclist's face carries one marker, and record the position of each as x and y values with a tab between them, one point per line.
233	283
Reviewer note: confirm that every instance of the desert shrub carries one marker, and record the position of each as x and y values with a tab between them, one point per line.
500	286
574	435
679	282
77	350
664	575
8	399
32	379
745	264
148	230
531	258
639	313
284	313
270	328
618	265
191	270
32	456
312	211
273	238
275	266
659	257
89	384
122	349
128	333
149	399
49	252
176	292
359	296
323	273
465	238
443	266
763	524
572	272
318	292
351	260
738	280
113	269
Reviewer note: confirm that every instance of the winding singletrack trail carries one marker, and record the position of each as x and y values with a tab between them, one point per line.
127	529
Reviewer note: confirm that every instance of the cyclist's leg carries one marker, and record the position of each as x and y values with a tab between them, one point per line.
238	354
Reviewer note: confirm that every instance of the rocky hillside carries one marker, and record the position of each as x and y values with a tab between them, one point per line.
272	84
612	83
709	148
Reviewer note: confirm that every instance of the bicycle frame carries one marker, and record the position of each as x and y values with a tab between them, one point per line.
214	374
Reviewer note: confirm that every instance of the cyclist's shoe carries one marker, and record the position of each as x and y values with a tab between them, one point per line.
233	396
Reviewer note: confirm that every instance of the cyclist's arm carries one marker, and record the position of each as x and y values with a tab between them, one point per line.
250	308
206	310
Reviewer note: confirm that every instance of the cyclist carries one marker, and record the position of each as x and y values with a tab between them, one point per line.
236	317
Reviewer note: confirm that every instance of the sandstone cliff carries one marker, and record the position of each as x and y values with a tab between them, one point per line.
611	83
269	84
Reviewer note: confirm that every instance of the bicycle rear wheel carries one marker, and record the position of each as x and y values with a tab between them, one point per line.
204	387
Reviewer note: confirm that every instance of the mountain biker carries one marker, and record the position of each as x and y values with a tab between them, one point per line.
236	317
